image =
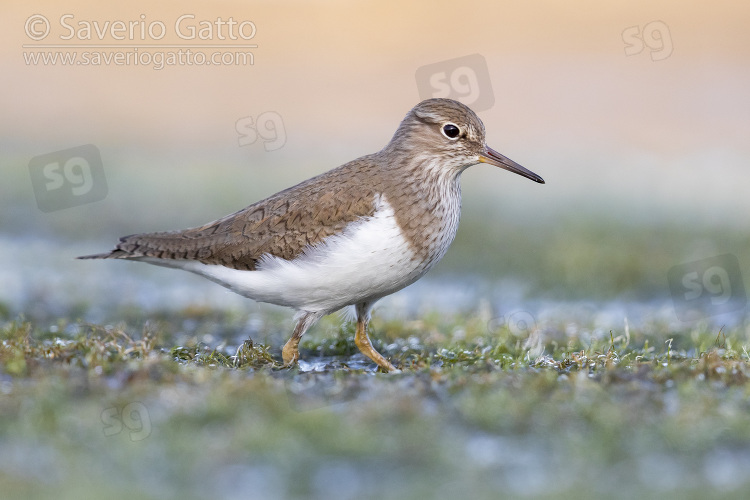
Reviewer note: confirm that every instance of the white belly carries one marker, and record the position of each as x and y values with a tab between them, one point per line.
368	260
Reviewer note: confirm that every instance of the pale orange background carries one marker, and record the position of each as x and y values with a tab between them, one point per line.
668	135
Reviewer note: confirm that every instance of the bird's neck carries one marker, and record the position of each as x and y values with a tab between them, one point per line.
427	205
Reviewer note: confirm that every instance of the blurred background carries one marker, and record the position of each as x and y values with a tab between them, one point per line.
636	115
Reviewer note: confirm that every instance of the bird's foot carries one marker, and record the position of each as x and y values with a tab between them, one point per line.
363	342
290	353
384	365
388	368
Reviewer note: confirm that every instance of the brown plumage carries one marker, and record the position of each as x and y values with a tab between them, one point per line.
349	236
282	225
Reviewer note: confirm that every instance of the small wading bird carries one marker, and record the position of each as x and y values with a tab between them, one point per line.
349	236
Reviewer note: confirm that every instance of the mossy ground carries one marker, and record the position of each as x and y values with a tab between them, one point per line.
183	407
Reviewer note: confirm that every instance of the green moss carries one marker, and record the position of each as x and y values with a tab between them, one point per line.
471	407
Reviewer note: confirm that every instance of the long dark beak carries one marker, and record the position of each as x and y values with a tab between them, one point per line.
494	158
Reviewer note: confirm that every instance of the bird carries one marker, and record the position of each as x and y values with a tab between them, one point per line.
347	237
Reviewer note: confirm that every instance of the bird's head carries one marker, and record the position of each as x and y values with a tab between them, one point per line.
449	134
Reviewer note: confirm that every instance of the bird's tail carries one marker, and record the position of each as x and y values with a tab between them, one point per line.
114	254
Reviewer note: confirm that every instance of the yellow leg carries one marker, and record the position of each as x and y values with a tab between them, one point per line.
363	342
290	351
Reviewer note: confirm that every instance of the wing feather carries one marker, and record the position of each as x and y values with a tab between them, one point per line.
283	225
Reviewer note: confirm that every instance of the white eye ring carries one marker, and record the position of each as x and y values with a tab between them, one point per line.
451	131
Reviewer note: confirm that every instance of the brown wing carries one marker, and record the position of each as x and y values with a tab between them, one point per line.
282	225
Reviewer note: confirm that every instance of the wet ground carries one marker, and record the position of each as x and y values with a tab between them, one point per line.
123	380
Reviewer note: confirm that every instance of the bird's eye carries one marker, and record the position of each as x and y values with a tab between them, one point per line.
451	131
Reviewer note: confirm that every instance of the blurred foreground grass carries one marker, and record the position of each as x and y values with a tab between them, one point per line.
184	407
